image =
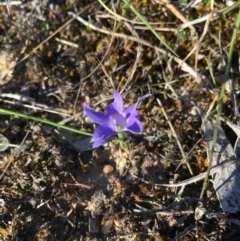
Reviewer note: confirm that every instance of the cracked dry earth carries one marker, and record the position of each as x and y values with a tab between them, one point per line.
51	188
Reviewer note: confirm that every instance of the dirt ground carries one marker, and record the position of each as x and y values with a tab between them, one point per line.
51	63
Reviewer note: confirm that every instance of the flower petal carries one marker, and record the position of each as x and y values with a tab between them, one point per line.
134	126
97	117
117	104
101	135
143	97
132	110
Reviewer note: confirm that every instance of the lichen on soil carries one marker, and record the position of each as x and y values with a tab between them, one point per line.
50	190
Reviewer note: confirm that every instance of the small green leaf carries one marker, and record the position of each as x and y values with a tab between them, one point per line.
183	1
4	143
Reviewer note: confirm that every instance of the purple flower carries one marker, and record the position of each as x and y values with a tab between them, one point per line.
115	121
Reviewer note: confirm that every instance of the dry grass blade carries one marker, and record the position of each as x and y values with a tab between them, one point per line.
143	19
176	137
175	12
65	42
184	66
20	99
138	54
214	17
48	38
214	169
198	42
8	3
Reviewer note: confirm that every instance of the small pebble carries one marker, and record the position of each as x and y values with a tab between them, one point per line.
230	3
107	226
107	169
94	225
194	111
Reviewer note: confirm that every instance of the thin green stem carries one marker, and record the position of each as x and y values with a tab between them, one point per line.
29	117
148	25
121	141
219	106
211	72
231	8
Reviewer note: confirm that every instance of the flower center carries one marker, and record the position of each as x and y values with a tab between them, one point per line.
118	122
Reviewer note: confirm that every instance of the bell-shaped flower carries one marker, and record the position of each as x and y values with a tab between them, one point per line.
115	121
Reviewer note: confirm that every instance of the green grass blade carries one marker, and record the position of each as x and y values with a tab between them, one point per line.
29	117
230	8
211	72
148	25
219	105
234	37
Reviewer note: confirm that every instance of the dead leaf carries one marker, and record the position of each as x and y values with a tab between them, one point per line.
236	129
226	181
